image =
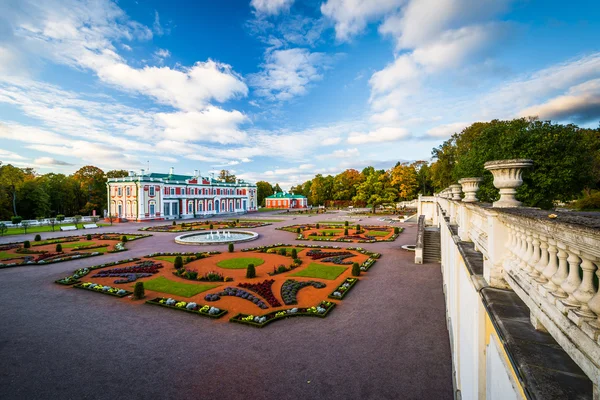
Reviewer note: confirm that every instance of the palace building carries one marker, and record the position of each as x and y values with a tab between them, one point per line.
286	200
155	196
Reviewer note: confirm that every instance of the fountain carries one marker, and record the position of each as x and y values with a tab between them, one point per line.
223	237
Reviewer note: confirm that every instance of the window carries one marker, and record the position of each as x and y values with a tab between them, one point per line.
172	191
120	191
190	208
151	193
128	191
151	209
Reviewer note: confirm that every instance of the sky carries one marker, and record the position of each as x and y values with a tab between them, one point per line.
281	90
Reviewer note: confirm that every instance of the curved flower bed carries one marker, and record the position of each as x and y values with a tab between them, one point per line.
318	254
321	310
236	292
94	287
341	291
143	269
191	307
263	249
202	226
92	246
290	288
81	272
264	290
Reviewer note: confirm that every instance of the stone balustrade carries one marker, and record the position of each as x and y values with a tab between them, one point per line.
552	262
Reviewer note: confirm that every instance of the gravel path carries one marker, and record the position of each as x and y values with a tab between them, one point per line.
386	340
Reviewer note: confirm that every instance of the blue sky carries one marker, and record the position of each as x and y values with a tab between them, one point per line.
280	89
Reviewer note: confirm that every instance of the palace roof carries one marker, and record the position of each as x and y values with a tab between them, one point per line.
284	195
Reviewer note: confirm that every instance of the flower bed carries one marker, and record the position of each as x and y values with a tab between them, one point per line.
263	249
94	287
341	291
143	269
291	287
264	290
321	310
318	254
210	276
191	307
92	246
328	236
56	241
281	269
189	253
118	236
81	272
204	226
236	292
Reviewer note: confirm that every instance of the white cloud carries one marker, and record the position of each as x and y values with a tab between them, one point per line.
348	153
383	134
9	155
49	161
271	7
288	73
446	130
156	27
162	53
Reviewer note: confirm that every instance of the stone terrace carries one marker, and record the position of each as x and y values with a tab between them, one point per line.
386	340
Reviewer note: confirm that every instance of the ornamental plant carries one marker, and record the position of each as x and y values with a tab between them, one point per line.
16	220
174	223
250	271
88	237
396	230
298	230
210	226
345	223
26	244
230	247
59	248
317	226
282	252
123	238
355	269
138	291
357	228
346	232
294	254
37	238
178	262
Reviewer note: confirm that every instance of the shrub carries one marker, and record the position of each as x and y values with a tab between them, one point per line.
357	228
317	226
355	269
346	232
16	220
123	238
591	202
345	223
237	220
250	271
59	248
60	217
174	223
37	238
230	247
396	230
282	252
178	262
298	230
188	259
26	244
281	268
210	226
138	291
88	237
199	256
294	254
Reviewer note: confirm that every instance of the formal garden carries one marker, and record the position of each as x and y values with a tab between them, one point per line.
253	286
59	249
206	225
344	232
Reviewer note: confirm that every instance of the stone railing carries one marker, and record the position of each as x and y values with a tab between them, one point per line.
420	240
551	261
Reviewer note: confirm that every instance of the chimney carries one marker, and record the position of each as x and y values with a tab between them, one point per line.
142	172
171	170
195	173
131	173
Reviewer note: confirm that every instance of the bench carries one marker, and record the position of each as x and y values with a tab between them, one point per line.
68	228
89	226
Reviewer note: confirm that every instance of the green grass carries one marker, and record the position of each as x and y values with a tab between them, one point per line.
377	233
170	259
321	271
98	249
5	255
288	250
163	285
257	220
70	245
270	209
45	228
330	231
331	222
240	263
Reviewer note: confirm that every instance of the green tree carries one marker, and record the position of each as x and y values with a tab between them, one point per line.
11	180
117	173
376	190
263	190
92	185
3	228
345	184
33	199
226	176
404	180
277	188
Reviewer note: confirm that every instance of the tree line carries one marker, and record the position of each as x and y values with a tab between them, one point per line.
566	167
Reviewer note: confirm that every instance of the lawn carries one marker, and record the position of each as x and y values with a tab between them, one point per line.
44	228
163	285
170	259
321	271
240	263
377	233
5	256
334	231
258	220
331	222
264	209
70	245
288	250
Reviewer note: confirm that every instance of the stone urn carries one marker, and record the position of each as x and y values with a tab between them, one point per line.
470	186
508	176
455	190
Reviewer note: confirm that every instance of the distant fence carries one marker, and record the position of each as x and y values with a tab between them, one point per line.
46	221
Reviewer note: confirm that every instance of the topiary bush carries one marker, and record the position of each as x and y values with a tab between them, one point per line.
138	291
346	232
357	228
88	237
294	254
37	238
345	223
26	244
16	220
396	230
59	248
250	271
174	223
210	226
282	252
298	230
178	262
317	226
355	269
230	247
123	238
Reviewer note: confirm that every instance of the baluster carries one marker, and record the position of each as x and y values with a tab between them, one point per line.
573	280
511	244
552	266
594	303
535	257
543	263
561	274
586	291
528	253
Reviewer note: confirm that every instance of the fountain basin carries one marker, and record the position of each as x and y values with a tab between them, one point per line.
216	237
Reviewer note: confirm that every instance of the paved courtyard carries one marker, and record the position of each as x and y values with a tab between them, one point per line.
386	340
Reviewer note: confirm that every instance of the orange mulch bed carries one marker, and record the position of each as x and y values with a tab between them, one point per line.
311	232
306	297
